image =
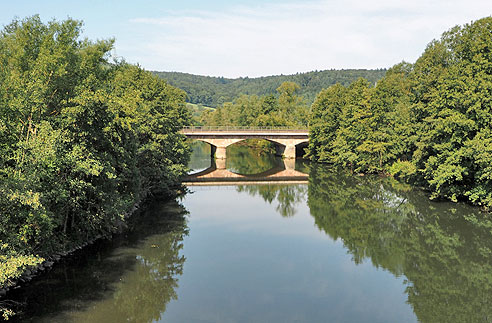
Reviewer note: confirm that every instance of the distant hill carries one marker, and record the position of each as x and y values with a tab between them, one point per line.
213	91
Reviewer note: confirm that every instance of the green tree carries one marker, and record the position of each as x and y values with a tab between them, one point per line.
453	111
325	120
250	110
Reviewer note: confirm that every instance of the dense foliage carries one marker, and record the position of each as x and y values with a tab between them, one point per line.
215	91
287	109
196	113
428	122
82	140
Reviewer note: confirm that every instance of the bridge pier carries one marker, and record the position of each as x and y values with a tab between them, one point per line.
290	152
219	163
217	174
220	152
286	147
285	151
219	145
290	164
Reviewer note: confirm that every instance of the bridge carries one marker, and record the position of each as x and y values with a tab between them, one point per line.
219	138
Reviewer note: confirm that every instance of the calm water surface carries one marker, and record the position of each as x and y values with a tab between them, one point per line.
339	249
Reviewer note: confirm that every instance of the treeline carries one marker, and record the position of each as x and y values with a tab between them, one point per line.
429	123
285	109
83	139
215	91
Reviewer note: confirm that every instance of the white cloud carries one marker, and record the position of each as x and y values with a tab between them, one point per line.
297	37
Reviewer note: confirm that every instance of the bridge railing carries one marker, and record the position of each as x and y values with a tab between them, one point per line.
243	129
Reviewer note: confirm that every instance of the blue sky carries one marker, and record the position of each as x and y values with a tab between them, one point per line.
257	38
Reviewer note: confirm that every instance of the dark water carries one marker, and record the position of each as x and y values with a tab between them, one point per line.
339	249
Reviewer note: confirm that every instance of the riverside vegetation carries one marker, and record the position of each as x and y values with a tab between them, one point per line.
430	261
428	123
83	140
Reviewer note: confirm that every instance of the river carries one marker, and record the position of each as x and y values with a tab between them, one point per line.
337	248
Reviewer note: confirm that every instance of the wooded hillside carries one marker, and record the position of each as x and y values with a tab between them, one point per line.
214	91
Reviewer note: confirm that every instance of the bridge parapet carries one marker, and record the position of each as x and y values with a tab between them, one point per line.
254	129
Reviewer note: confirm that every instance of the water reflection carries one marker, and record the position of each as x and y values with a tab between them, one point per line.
200	156
248	165
131	279
245	160
246	263
245	165
241	159
287	197
443	249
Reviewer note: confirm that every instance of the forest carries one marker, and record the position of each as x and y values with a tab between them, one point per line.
83	140
215	91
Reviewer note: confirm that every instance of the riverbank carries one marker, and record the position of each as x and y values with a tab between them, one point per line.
91	136
30	272
86	279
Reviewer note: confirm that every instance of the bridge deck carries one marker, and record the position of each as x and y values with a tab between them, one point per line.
244	131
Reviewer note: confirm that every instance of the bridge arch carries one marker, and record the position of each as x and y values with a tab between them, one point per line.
286	146
219	145
217	174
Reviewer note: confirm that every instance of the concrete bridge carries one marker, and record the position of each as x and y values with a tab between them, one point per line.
286	139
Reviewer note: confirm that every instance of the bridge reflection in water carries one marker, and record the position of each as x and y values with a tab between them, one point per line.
218	174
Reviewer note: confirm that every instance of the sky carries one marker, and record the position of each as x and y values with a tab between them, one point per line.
239	38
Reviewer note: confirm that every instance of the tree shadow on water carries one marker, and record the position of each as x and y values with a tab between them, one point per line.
130	278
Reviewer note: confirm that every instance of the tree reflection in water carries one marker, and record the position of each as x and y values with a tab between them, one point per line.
286	195
200	156
245	160
443	249
129	279
143	293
